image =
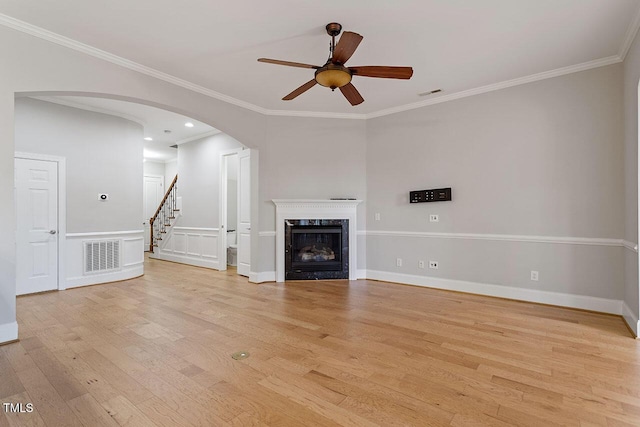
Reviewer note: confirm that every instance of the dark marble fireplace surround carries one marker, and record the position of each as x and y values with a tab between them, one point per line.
316	249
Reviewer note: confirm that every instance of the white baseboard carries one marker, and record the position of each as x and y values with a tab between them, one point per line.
114	276
531	295
8	332
185	259
263	276
361	274
630	318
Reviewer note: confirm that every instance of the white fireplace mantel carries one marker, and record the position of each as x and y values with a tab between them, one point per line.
315	209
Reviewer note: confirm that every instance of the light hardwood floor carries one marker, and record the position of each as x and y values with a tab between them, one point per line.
157	351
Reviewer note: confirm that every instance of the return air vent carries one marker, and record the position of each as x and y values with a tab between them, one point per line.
102	255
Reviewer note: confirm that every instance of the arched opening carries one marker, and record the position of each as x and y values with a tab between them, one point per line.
98	234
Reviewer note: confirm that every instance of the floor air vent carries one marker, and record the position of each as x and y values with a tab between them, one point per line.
103	255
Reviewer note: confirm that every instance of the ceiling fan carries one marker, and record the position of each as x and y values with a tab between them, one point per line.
334	74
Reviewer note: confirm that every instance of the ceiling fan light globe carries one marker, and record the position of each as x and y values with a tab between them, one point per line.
333	76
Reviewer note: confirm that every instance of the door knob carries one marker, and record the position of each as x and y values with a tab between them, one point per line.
52	231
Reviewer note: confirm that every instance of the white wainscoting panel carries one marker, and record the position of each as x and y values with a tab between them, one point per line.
131	257
190	245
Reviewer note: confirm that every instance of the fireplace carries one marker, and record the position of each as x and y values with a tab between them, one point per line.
303	211
316	249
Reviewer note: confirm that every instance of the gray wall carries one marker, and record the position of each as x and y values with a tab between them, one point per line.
153	168
170	171
631	79
199	179
103	155
542	159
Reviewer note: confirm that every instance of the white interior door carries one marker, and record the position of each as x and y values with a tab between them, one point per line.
152	194
244	212
37	225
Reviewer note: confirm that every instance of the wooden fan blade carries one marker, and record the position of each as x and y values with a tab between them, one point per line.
287	63
347	44
383	72
351	93
302	89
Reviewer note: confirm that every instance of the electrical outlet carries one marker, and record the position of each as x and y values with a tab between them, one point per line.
398	262
534	275
434	218
377	216
433	264
420	264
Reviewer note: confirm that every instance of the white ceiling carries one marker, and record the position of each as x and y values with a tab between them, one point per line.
154	121
455	45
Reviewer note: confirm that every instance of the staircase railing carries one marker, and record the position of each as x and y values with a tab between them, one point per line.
165	213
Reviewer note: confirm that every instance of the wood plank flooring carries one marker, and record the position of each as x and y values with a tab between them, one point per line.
156	351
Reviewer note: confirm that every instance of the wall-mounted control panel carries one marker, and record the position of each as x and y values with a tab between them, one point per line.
437	195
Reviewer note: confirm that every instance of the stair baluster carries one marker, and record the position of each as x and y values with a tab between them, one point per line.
161	220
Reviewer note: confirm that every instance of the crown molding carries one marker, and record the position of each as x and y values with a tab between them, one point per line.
50	36
630	35
501	85
91	108
317	114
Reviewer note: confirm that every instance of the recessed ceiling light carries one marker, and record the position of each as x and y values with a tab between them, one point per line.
189	124
148	138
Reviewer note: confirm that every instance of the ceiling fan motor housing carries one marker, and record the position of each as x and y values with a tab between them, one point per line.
333	75
333	29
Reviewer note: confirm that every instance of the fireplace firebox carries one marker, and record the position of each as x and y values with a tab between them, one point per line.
316	249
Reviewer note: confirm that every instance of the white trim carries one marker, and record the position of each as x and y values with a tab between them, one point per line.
200	136
267	233
104	233
630	35
62	209
317	114
131	272
501	237
630	318
8	332
361	274
52	37
213	264
196	229
263	276
523	294
72	104
633	247
223	199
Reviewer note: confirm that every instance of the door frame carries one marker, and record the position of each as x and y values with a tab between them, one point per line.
62	208
222	203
